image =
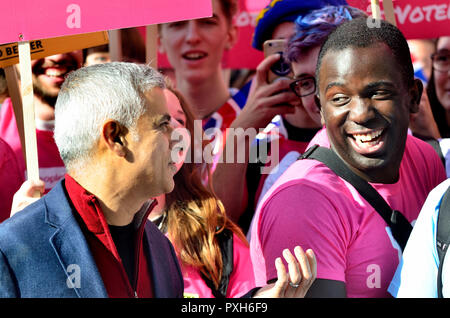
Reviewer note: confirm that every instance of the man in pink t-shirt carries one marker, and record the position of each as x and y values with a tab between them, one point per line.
367	92
48	76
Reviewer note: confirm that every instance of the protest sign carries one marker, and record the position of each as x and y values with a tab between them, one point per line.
27	22
24	20
419	19
242	54
9	53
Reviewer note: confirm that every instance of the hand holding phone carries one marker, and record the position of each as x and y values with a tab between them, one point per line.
281	68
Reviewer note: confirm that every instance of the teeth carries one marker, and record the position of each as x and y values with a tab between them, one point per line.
369	136
54	73
194	55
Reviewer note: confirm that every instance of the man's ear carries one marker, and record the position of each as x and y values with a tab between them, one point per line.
415	92
159	42
317	101
233	36
113	136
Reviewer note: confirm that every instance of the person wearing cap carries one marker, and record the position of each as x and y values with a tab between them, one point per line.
276	20
239	184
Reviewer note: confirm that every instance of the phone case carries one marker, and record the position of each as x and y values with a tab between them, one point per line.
281	68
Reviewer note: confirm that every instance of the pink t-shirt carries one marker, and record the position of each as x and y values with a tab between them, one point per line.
51	166
241	280
311	207
321	139
10	179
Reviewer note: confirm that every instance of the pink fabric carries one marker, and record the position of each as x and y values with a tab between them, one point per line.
241	280
55	18
10	179
309	206
51	166
321	139
284	147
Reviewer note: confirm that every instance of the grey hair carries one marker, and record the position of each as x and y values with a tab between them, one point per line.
91	95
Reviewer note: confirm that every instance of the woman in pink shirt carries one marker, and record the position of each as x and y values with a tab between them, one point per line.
196	223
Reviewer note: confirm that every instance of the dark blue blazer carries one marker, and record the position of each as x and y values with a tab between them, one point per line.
43	250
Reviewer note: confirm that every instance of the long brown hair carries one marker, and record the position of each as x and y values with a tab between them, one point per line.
195	215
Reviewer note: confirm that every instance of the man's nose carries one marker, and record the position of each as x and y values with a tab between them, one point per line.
361	110
193	35
57	57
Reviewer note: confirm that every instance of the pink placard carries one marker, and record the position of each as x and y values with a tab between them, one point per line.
24	20
418	19
242	54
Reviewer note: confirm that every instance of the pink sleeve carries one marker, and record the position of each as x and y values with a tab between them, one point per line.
242	279
312	218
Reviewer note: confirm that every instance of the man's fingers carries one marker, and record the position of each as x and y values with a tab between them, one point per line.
312	263
304	263
284	97
281	283
295	275
30	186
38	185
264	67
280	85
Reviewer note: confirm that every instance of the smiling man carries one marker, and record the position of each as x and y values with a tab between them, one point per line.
367	91
48	76
88	237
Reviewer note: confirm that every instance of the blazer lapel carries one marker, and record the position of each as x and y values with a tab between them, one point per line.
166	275
71	247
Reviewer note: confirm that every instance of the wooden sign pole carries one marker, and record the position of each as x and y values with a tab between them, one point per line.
376	13
388	8
14	92
115	45
151	45
28	112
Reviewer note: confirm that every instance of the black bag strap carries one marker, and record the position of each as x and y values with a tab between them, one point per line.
225	240
443	235
400	227
435	144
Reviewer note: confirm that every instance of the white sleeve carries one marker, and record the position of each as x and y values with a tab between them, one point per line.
416	275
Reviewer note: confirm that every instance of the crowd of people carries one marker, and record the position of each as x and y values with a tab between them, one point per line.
128	210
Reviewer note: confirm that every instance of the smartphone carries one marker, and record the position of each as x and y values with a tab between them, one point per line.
281	68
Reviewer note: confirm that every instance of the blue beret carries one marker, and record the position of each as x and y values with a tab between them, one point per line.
279	11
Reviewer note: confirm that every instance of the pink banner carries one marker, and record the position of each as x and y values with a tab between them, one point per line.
417	19
242	55
24	20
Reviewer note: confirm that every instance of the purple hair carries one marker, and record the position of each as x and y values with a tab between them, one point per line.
312	29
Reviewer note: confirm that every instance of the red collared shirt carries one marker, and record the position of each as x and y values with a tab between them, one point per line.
95	228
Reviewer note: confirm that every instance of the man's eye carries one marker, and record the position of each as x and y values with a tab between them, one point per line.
382	94
177	24
210	21
340	100
164	125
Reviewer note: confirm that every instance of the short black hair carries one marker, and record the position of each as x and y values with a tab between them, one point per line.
437	109
362	33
